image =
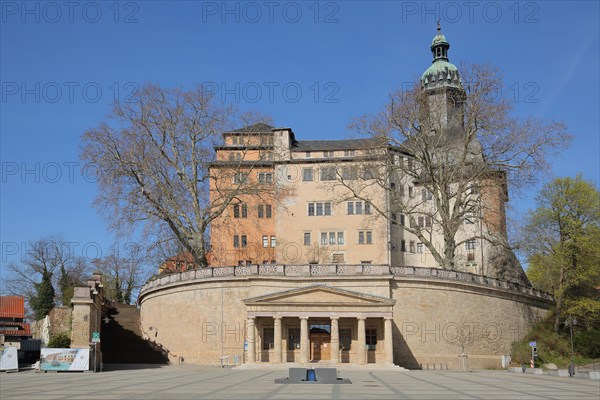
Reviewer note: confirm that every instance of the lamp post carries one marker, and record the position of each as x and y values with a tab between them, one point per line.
572	321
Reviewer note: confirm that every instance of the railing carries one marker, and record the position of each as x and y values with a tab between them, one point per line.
322	270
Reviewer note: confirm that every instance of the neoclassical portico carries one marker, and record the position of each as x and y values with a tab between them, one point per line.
319	323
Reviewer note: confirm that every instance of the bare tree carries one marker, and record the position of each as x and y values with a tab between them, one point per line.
154	159
53	257
443	156
123	274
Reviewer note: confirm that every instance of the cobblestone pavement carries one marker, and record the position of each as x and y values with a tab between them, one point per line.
195	382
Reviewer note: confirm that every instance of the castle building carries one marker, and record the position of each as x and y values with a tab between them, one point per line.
313	262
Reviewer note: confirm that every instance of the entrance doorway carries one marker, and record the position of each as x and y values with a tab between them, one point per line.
320	342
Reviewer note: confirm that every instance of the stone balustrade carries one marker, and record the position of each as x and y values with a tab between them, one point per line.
328	270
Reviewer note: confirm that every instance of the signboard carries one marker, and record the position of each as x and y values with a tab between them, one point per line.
8	358
532	344
95	337
65	360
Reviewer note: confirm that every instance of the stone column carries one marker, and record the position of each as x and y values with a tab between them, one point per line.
335	340
362	339
389	341
250	333
277	338
304	340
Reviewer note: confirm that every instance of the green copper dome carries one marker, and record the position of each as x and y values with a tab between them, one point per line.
441	73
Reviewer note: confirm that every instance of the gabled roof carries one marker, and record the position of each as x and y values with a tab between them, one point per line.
328	295
12	307
256	128
346	144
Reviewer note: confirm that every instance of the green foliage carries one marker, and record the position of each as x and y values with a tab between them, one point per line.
60	341
42	301
555	347
561	240
65	285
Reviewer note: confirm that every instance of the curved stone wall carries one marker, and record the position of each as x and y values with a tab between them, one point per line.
199	316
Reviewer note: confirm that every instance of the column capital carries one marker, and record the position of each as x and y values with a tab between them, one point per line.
334	318
388	318
306	318
361	318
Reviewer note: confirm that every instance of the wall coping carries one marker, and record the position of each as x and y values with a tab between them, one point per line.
339	270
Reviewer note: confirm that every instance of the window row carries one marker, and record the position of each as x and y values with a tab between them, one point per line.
319	208
293	339
262	211
326	238
418	247
263	177
331	153
330	173
242	241
421	221
356	207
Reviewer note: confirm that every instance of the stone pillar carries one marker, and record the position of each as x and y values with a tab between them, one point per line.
335	340
250	333
304	340
389	341
362	339
277	338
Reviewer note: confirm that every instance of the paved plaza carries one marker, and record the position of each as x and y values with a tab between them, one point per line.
195	382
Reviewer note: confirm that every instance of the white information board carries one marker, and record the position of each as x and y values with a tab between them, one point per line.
8	358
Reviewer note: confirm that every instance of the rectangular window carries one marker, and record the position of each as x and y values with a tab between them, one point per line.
421	222
349	173
469	217
393	218
328	153
240	177
268	338
371	338
236	241
410	192
350	207
365	237
307	238
367	207
369	172
359	209
308	154
244	241
236	211
412	247
265	177
273	241
340	237
328	173
293	338
265	241
403	245
331	237
348	153
307	174
428	222
268	211
261	210
470	244
426	195
244	210
419	247
324	238
410	164
401	190
345	339
402	219
319	208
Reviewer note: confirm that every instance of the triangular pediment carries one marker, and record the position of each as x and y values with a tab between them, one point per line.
319	295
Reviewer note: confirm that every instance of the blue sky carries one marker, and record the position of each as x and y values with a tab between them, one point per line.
310	65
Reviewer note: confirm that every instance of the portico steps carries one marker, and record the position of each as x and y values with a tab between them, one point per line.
340	366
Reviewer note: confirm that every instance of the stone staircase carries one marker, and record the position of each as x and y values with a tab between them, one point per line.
122	340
